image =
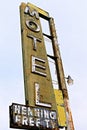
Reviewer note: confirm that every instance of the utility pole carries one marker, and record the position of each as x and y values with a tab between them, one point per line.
60	75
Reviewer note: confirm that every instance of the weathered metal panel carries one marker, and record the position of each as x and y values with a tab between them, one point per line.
37	79
41	11
60	108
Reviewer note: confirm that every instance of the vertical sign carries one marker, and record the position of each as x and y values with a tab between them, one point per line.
44	106
37	79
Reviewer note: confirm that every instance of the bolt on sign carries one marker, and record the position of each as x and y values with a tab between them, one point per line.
40	110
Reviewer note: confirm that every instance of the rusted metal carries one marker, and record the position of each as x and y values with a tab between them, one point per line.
60	75
69	115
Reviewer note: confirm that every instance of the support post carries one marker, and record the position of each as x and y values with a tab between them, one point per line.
60	75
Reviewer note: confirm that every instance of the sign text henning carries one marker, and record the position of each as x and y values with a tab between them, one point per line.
25	117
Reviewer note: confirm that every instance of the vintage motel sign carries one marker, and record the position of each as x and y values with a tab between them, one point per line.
37	78
43	109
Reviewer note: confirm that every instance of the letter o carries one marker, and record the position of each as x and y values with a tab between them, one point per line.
32	25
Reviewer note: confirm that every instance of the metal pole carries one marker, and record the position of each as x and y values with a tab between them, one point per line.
60	75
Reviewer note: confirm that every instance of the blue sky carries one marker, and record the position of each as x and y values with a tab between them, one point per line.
71	26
